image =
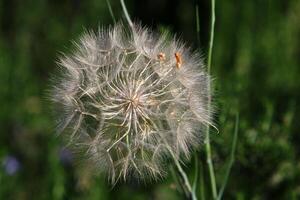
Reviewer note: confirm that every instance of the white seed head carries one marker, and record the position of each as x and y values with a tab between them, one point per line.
129	98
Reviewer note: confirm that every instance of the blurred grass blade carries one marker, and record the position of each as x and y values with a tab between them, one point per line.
197	23
232	157
202	189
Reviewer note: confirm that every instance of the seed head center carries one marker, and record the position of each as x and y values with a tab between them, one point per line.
134	102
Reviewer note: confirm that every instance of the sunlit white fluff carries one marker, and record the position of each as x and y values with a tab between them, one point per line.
126	99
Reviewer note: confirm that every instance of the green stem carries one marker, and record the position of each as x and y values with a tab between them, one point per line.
183	176
111	11
178	181
212	31
126	14
211	167
232	157
208	148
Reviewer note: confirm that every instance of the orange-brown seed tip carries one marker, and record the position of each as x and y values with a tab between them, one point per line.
161	56
178	60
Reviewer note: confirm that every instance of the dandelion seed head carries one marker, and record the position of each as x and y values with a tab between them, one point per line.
129	98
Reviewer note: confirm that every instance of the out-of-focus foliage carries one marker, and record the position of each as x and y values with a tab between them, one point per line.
256	66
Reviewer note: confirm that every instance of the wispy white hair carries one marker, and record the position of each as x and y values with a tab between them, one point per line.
130	99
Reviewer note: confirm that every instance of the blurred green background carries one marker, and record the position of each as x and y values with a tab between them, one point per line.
256	70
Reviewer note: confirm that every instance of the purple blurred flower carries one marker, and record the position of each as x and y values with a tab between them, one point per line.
11	165
65	156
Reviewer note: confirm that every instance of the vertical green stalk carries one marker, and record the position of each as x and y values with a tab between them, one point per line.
111	11
208	148
178	181
183	175
126	13
212	32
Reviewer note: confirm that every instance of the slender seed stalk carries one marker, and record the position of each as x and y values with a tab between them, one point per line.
178	181
211	40
183	175
211	169
126	13
208	148
111	11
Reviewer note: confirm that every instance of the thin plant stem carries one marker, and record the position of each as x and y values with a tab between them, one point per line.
185	183
111	11
212	31
211	168
232	157
207	144
183	176
126	14
178	181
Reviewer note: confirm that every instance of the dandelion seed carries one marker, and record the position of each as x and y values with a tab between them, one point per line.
123	99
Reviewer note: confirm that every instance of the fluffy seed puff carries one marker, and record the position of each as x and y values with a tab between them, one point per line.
131	100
